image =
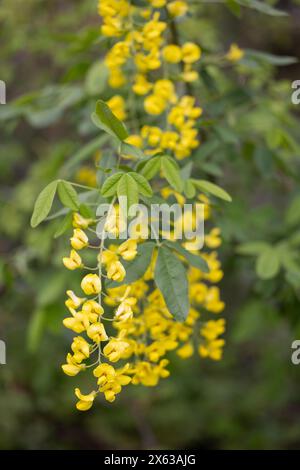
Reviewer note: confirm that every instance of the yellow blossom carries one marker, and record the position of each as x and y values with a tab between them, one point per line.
141	85
190	52
117	106
72	368
115	348
128	250
155	104
172	53
81	222
213	240
186	351
135	140
79	239
97	332
72	262
116	271
235	53
73	301
85	401
104	373
177	8
213	349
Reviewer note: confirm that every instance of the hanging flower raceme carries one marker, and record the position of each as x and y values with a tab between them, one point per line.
129	321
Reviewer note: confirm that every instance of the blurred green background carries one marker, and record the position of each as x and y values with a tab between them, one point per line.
50	53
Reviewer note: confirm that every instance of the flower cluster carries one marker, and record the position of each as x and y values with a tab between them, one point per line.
125	332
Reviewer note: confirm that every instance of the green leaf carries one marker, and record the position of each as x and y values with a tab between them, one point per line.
189	189
43	204
110	185
170	278
195	260
68	195
234	7
64	225
252	248
127	187
151	168
270	58
143	185
211	188
108	162
262	7
104	118
171	173
136	268
86	211
131	151
35	329
267	264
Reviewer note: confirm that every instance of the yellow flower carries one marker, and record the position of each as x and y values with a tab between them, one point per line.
79	239
213	350
158	349
149	375
85	401
135	140
80	348
165	89
81	222
172	53
86	175
188	74
72	368
105	373
213	240
73	301
158	3
235	53
124	311
117	106
108	257
91	284
190	52
110	390
213	302
116	271
177	8
213	329
152	134
128	250
73	262
92	309
147	62
186	351
141	85
116	78
97	332
74	323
